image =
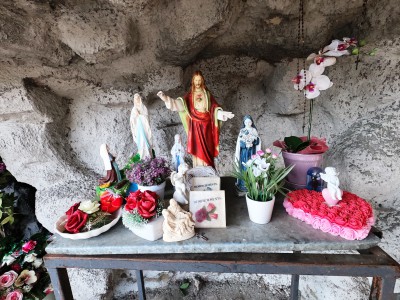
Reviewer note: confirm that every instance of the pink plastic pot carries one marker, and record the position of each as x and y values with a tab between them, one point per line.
297	178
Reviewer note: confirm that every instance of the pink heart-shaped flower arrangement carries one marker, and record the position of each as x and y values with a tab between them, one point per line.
351	218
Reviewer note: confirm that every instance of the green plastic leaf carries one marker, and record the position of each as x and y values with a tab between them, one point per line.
302	146
362	43
6	220
184	285
184	288
292	142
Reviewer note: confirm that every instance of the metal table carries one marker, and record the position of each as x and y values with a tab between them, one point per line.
242	247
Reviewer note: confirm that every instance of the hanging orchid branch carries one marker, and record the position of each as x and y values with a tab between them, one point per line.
312	81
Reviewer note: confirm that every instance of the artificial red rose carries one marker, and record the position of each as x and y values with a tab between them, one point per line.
147	206
110	202
132	200
16	267
72	209
76	221
28	246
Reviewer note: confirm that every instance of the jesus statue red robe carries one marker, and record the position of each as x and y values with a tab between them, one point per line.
201	117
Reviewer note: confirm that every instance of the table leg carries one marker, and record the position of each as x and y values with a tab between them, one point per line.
140	284
382	288
60	281
294	286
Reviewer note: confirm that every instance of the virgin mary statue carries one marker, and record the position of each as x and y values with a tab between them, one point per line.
140	127
247	144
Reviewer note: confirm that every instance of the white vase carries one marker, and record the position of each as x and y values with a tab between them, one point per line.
151	231
158	189
260	212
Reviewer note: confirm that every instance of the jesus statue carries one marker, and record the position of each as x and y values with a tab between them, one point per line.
201	117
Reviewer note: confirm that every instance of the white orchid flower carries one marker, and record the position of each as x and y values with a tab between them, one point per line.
301	80
336	48
321	83
256	171
350	41
318	82
264	166
248	163
320	59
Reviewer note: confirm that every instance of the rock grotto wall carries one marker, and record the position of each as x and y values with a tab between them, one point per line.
69	70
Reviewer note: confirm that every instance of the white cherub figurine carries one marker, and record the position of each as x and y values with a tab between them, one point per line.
178	179
177	152
333	194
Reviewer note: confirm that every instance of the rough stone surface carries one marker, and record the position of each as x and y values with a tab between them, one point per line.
69	70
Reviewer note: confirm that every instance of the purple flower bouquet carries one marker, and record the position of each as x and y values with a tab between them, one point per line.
150	171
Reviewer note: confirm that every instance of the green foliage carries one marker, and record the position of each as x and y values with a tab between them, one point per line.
295	144
97	220
263	186
184	287
132	160
373	52
6	210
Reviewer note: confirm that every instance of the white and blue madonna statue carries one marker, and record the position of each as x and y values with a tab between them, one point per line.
140	127
248	143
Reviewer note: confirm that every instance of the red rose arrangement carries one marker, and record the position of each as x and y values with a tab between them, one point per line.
89	215
140	207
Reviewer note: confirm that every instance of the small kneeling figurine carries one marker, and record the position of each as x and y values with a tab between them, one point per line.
111	167
178	224
178	180
333	194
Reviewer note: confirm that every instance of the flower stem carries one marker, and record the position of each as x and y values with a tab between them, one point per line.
310	119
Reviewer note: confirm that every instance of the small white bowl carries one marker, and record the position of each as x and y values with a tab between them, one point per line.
59	228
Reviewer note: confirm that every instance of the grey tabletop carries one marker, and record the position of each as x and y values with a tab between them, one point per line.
283	233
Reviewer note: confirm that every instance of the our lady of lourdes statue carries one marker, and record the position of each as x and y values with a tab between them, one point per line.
140	127
201	117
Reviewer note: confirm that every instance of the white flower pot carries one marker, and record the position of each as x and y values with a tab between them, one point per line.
260	212
151	231
158	189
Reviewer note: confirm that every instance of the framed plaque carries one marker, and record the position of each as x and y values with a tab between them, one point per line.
208	209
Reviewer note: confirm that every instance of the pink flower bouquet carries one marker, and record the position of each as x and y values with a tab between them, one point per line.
22	273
